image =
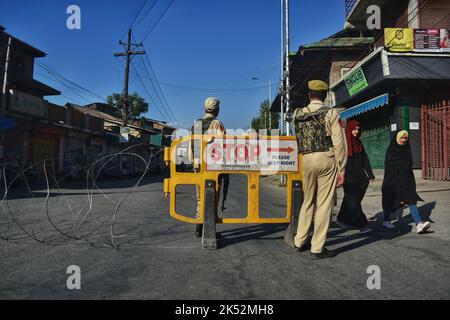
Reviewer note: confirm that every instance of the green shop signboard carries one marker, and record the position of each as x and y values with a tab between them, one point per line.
156	140
356	82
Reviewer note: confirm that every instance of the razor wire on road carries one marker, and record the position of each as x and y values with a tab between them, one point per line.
80	223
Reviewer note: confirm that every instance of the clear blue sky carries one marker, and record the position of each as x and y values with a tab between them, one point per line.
200	48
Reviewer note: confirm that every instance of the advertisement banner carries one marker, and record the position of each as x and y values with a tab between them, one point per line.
399	39
417	40
444	40
427	40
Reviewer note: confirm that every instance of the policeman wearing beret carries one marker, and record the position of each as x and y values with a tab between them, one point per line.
322	145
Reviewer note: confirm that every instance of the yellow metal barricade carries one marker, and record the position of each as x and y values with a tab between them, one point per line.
180	157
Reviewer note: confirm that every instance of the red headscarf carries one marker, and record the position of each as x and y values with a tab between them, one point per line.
354	144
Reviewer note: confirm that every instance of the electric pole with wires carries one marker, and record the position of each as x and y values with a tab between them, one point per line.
128	53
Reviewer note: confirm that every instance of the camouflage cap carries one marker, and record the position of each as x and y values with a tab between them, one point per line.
317	85
212	104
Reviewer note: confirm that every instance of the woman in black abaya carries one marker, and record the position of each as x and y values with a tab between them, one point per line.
358	174
399	185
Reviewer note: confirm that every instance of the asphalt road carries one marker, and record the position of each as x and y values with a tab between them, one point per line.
157	257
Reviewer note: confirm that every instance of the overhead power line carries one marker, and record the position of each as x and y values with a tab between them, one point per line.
55	80
137	15
127	54
64	79
157	95
159	87
159	19
209	89
148	93
134	19
146	13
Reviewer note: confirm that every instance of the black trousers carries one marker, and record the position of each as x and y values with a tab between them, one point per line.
351	212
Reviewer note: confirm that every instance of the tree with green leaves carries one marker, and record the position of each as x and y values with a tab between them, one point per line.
265	119
136	104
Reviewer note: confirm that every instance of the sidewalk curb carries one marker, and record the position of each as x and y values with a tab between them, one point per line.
374	193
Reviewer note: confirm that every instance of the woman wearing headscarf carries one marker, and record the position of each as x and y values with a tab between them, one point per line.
399	185
357	177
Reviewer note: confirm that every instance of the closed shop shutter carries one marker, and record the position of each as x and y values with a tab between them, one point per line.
376	142
73	148
435	14
45	151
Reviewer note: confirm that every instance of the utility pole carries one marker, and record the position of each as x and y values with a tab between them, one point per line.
288	125
4	97
267	114
270	99
282	70
128	55
283	179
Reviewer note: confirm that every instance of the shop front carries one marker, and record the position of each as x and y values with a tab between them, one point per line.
45	148
74	146
385	92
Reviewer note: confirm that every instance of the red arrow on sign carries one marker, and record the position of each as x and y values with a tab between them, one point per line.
287	150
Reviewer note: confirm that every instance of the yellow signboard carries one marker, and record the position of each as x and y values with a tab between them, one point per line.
399	39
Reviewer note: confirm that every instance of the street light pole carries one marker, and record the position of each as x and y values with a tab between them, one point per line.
270	99
282	69
268	115
283	180
288	126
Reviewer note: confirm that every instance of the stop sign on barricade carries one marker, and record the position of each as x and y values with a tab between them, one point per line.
206	161
242	154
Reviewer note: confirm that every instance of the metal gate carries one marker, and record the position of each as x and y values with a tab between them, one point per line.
436	141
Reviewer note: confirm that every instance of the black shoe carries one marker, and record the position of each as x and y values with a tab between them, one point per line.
199	231
303	248
324	254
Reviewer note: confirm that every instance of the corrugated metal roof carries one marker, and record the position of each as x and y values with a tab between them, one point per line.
109	118
97	114
340	43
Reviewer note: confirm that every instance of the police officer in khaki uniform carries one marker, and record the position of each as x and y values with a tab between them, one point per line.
208	124
322	145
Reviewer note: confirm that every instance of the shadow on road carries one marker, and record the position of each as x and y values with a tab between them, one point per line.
402	227
238	235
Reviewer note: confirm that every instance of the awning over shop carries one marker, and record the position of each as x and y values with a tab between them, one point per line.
365	106
385	71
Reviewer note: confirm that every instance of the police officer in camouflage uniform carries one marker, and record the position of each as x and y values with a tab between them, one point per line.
208	124
322	145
